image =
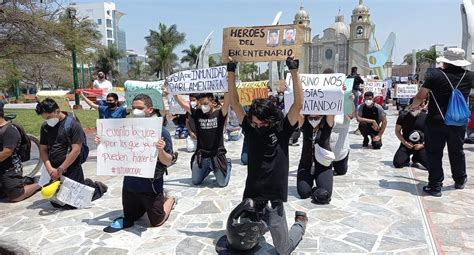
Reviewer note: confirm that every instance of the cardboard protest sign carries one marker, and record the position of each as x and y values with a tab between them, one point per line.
57	95
151	88
323	93
74	193
174	107
248	91
127	146
207	80
262	43
405	90
348	102
377	87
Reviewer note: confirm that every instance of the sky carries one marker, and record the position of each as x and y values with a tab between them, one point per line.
418	24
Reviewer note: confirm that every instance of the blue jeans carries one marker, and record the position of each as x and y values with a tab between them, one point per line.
199	174
356	98
244	156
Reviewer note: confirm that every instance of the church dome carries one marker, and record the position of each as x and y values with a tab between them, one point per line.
361	8
340	26
302	14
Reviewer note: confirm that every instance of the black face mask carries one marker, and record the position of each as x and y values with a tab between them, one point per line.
263	130
112	105
101	77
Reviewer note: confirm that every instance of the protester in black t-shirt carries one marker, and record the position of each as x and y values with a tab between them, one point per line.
268	134
372	121
209	120
438	86
410	131
143	195
12	183
60	148
316	159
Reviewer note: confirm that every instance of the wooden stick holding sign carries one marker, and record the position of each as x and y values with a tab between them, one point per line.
128	146
323	94
262	43
207	80
248	91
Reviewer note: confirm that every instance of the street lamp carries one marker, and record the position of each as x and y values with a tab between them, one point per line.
71	15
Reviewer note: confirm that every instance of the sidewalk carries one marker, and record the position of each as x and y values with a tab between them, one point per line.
375	209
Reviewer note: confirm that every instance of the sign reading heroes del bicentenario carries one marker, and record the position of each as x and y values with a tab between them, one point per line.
262	44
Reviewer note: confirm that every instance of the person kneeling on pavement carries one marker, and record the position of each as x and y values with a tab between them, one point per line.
12	183
372	121
410	131
143	195
62	142
269	133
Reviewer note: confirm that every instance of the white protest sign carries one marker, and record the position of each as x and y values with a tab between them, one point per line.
405	90
404	79
322	93
74	193
174	107
127	146
207	80
376	87
45	178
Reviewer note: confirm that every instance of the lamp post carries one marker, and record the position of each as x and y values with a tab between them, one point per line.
71	14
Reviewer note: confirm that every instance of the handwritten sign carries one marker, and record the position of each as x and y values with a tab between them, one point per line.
74	193
152	88
262	43
248	91
207	80
405	90
348	102
174	107
127	146
323	93
59	96
376	87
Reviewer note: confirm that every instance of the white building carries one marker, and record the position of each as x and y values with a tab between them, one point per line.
107	17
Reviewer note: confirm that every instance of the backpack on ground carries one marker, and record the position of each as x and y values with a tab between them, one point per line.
457	113
24	151
84	148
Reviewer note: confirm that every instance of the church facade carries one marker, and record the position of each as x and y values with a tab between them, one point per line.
340	46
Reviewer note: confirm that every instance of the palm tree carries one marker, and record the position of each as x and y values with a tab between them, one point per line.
248	71
136	70
191	55
161	45
422	56
107	60
212	62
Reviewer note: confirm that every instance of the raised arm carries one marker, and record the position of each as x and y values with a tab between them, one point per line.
225	104
295	109
88	101
233	96
182	103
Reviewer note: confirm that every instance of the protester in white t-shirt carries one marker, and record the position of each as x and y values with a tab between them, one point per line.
102	83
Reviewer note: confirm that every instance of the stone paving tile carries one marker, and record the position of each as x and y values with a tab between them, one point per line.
375	209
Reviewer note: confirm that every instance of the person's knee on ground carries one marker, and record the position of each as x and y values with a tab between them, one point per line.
304	189
321	196
221	178
163	217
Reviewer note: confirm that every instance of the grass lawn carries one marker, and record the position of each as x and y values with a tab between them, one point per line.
32	122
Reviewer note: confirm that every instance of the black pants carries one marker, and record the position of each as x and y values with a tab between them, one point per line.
340	167
436	137
366	130
135	205
323	177
402	157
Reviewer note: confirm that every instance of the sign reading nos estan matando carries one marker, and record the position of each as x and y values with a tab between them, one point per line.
262	43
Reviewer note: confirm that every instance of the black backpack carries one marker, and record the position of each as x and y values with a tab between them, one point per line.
24	151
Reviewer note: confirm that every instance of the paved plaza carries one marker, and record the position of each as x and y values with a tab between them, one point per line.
375	209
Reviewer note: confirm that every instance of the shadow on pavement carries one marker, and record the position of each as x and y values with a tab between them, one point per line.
263	248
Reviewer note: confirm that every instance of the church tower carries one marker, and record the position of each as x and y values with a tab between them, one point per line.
361	28
302	18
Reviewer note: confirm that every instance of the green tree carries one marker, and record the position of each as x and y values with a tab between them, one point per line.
212	62
107	60
160	49
422	56
248	72
191	55
136	70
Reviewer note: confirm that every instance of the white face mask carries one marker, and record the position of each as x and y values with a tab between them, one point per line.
193	104
280	98
205	108
315	123
369	102
52	122
137	113
415	113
